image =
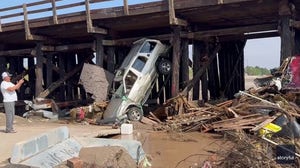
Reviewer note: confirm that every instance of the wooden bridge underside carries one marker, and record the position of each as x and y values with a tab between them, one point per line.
205	24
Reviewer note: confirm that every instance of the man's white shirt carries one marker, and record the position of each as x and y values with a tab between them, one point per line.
8	96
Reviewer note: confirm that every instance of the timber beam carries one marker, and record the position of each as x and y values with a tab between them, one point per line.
245	32
230	31
295	24
176	43
0	25
54	13
128	41
16	52
75	47
28	35
173	20
31	52
241	31
89	21
126	10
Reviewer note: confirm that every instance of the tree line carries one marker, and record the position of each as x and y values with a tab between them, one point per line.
256	71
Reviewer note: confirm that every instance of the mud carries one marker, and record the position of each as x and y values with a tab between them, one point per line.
180	150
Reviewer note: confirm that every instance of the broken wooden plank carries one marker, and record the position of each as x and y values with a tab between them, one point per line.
267	121
155	118
148	121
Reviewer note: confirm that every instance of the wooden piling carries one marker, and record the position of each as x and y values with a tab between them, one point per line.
213	75
176	40
184	66
99	50
39	69
199	50
111	59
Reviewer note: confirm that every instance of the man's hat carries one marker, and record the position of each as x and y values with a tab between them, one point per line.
5	74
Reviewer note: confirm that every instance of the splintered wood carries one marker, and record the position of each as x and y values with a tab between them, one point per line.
251	110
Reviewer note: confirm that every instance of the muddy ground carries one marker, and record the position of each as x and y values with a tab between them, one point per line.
164	149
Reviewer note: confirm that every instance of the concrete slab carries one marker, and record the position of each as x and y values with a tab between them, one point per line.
25	149
55	155
133	147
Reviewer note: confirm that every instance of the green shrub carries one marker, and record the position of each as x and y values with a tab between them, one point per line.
256	71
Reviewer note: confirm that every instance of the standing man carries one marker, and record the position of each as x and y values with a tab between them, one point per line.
8	90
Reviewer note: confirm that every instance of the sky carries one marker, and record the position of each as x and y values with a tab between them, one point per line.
264	53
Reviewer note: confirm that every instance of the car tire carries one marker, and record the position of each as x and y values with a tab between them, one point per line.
164	66
134	114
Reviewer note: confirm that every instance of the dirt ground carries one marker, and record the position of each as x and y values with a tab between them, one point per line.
249	81
163	150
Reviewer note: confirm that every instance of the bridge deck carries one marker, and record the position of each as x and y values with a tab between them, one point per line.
204	18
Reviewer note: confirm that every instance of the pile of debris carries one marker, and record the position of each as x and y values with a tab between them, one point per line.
275	99
262	123
252	151
251	110
88	113
257	121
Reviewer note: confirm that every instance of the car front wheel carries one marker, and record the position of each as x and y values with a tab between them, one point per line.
164	66
134	114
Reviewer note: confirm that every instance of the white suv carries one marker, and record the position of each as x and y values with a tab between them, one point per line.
135	79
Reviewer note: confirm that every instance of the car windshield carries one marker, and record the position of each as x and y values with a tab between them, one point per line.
139	63
134	50
148	47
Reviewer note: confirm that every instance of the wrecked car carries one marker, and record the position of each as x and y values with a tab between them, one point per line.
135	79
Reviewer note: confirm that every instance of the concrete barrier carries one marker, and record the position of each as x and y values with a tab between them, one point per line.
31	147
54	147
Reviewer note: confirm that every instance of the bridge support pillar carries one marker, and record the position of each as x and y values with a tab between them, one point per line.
184	66
111	59
99	50
176	41
231	61
39	69
199	51
289	35
31	77
213	74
